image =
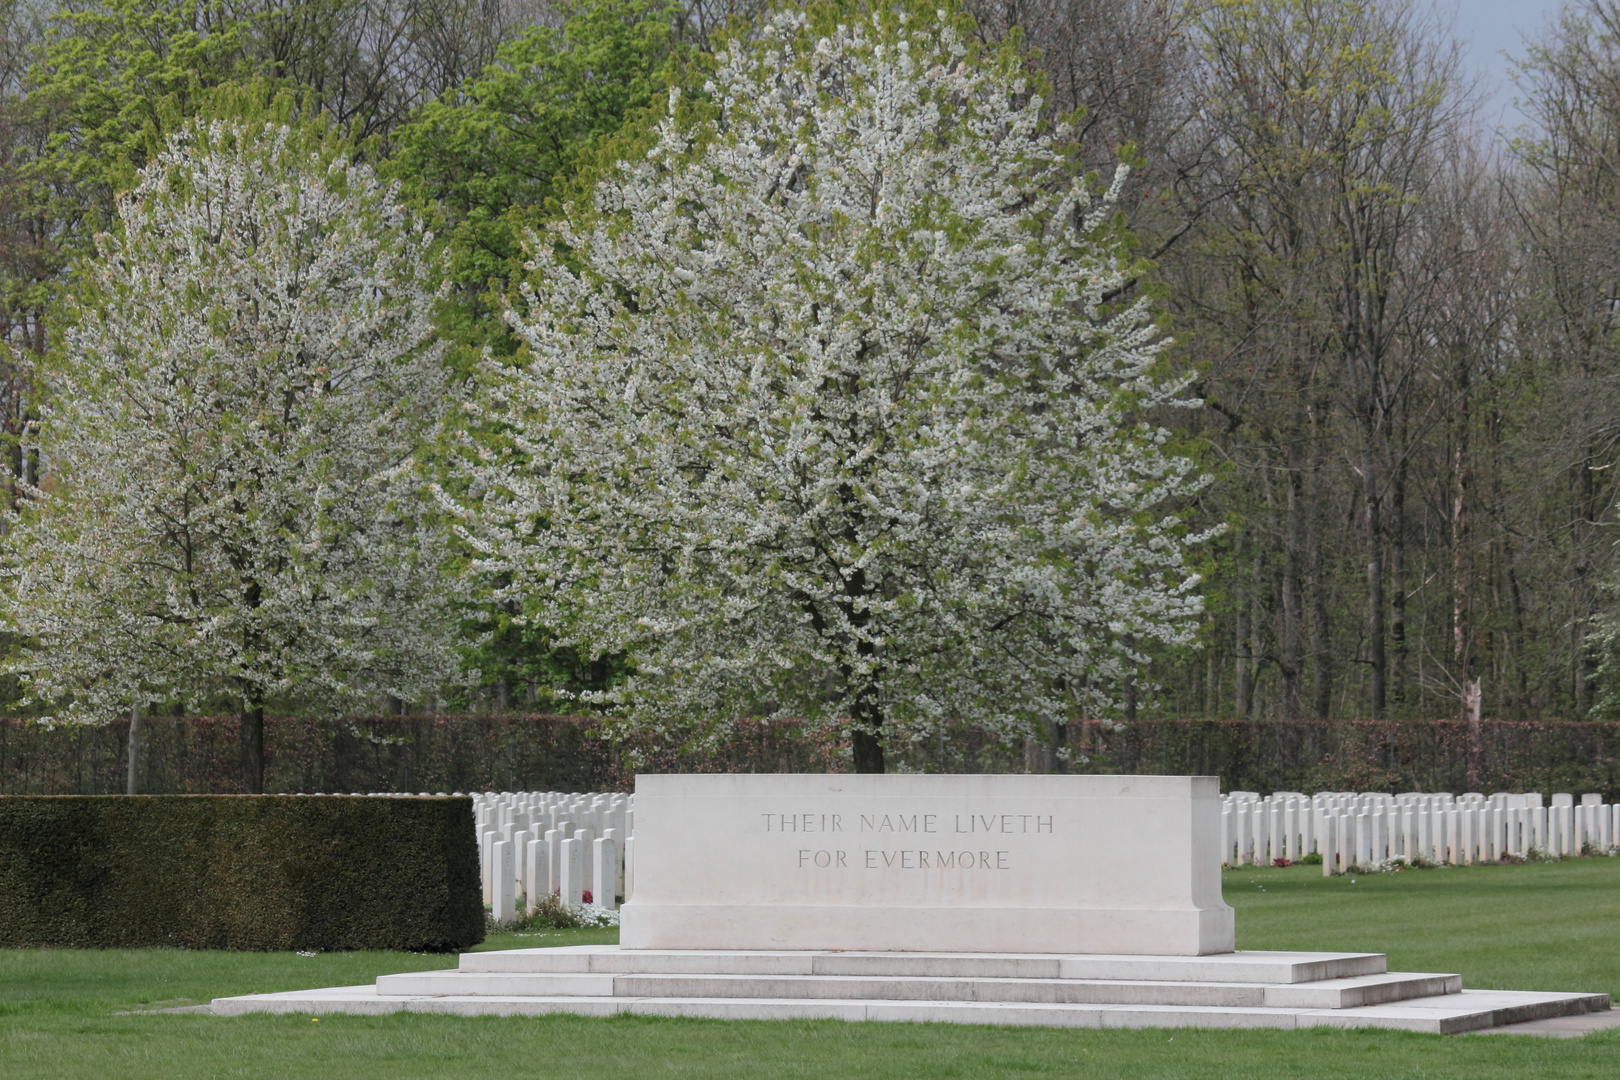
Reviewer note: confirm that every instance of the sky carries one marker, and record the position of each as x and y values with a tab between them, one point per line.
1487	28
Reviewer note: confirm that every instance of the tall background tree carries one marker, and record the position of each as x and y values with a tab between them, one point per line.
1400	323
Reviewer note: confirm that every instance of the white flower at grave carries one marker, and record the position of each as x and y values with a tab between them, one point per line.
828	407
594	915
227	505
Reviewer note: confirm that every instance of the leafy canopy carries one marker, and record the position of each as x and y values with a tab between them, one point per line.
490	155
823	412
245	378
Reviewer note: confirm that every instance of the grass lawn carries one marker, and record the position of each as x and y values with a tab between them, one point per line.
1540	927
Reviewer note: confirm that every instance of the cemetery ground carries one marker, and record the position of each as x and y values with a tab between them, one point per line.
1553	926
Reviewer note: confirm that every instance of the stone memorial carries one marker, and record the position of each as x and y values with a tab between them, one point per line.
1073	864
1073	901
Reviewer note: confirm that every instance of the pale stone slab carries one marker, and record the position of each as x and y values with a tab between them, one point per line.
489	984
1467	1011
1014	864
1363	990
1256	967
1560	1027
1339	994
1470	1010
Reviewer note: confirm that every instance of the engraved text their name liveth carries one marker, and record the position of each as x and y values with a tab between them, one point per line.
1039	864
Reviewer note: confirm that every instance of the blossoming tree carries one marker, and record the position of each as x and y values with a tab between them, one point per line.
825	411
226	509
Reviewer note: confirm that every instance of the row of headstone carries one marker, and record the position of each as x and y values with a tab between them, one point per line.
534	844
1350	829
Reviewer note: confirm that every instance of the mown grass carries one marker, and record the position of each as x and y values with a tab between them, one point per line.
1530	927
1540	926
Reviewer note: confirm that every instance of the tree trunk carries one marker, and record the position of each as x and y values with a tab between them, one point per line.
1321	655
253	746
252	734
1290	637
1240	644
1256	648
1459	570
134	743
1130	684
1375	580
1397	584
868	748
1212	685
866	731
1476	749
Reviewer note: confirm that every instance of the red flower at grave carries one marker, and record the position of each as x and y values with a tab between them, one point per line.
585	896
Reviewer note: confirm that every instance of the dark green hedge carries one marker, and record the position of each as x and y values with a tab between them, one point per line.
246	872
1392	756
503	752
511	752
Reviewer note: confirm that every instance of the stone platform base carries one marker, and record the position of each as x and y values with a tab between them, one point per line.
1241	989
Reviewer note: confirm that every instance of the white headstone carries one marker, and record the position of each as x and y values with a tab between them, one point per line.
520	851
605	872
504	905
584	837
572	887
536	867
554	842
617	839
485	864
1327	833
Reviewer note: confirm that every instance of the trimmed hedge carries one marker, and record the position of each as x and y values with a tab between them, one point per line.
200	755
528	752
1392	756
265	872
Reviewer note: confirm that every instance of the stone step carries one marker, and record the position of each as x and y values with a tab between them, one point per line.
1361	990
1445	1014
1327	994
1267	968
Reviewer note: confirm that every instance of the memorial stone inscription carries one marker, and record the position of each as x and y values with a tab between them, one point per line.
1048	864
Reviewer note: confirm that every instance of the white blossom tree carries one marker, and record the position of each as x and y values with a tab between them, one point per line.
825	411
227	508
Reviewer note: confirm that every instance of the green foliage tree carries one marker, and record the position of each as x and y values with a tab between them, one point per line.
489	156
106	71
490	161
